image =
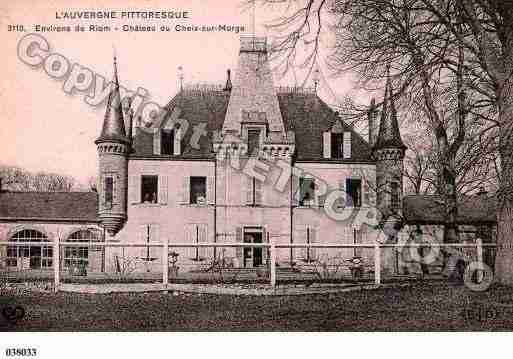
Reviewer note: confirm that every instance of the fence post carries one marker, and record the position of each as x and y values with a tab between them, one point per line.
480	273
165	263
273	263
56	263
377	264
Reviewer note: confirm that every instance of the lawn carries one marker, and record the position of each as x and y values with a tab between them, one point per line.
421	307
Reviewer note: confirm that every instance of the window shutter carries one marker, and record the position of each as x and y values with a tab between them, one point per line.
141	238
177	150
189	235
163	185
185	194
134	189
313	239
342	188
372	192
155	237
239	251
366	192
259	192
247	190
265	250
300	238
155	233
347	145
156	141
210	190
296	191
326	142
202	233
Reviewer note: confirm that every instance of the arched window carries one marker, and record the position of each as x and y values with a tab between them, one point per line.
80	256
29	256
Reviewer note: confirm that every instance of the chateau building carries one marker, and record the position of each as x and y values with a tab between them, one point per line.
245	162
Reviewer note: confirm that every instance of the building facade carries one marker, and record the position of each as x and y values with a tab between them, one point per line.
241	163
246	163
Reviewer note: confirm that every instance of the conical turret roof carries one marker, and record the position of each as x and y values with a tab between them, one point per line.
389	135
113	123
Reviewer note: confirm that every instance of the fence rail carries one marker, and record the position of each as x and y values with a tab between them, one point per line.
272	247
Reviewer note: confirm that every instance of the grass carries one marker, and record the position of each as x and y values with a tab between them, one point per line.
421	307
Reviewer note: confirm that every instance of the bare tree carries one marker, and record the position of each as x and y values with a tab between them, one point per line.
19	179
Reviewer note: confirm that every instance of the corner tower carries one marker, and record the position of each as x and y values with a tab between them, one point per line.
113	148
389	150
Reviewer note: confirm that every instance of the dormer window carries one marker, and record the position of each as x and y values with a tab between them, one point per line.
337	144
167	140
253	134
337	149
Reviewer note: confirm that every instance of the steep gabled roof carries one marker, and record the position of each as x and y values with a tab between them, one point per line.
304	113
59	206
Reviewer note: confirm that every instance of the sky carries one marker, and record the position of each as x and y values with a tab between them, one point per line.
46	129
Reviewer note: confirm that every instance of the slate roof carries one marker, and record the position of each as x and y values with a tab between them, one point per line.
71	206
429	209
389	135
113	128
304	113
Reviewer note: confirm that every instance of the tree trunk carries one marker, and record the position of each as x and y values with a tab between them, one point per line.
447	186
504	259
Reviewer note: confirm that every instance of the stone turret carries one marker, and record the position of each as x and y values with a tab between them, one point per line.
389	150
113	148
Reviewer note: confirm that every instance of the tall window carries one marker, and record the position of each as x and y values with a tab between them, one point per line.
337	142
109	191
149	189
30	256
310	239
253	141
198	193
167	140
306	191
353	192
80	255
198	234
394	195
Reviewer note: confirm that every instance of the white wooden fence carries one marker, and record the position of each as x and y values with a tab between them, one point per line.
272	247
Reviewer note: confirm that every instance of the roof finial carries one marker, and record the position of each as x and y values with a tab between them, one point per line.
228	85
116	82
316	78
180	77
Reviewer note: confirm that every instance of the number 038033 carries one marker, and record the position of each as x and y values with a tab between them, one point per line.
20	352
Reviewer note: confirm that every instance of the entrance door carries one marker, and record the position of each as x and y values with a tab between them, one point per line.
253	255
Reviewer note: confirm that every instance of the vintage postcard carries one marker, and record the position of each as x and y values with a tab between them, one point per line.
254	166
